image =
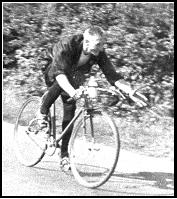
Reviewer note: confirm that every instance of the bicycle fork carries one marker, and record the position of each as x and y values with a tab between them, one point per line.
92	146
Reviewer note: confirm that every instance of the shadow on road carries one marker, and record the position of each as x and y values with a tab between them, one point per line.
48	166
138	184
161	180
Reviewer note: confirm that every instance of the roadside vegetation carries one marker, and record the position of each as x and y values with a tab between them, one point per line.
140	44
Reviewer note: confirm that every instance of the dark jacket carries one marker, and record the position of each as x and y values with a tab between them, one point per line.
66	54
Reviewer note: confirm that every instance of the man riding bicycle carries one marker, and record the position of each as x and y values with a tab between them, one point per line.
73	58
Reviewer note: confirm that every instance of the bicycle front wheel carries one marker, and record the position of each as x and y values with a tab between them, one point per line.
94	149
29	146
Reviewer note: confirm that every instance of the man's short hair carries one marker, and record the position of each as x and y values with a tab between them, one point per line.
95	30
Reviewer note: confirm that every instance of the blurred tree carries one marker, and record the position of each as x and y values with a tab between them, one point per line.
140	39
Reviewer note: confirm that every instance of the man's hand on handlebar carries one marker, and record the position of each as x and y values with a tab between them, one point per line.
138	98
78	93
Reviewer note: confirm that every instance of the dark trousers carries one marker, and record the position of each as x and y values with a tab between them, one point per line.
69	110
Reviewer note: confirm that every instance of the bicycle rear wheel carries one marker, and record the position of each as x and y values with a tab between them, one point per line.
29	146
94	149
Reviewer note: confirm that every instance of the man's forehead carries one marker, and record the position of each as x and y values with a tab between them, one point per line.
94	38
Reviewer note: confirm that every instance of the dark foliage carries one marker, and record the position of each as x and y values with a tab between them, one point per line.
140	41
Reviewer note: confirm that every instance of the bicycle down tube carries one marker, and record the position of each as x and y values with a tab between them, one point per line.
68	126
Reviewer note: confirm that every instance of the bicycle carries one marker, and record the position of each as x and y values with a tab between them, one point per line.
93	152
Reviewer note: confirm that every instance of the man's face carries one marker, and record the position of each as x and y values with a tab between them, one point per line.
92	44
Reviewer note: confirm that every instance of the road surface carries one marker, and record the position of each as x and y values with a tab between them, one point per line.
135	175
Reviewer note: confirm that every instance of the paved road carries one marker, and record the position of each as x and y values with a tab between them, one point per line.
135	175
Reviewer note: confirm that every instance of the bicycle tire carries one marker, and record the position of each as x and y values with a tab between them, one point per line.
73	145
30	154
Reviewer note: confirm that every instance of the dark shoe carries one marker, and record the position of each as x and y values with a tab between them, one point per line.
43	123
42	120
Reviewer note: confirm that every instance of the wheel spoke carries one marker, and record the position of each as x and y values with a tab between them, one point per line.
94	154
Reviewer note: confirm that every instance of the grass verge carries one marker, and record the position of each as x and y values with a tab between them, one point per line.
152	138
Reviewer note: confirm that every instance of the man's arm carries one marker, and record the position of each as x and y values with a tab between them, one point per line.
108	69
62	60
116	79
67	87
112	76
65	84
124	86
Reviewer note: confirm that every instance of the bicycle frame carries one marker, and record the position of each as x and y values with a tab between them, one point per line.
88	112
86	107
53	123
81	111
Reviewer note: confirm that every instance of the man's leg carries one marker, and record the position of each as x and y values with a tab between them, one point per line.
69	111
49	98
